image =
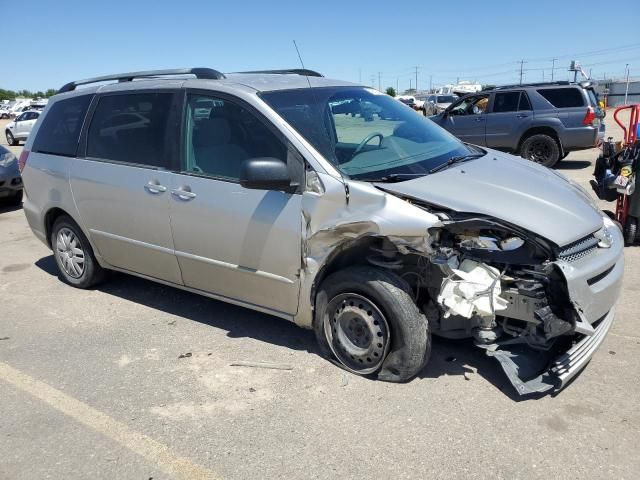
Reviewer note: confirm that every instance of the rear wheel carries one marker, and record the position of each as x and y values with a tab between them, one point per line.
73	254
11	139
542	149
366	322
630	231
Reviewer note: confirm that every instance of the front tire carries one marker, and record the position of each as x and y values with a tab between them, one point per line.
542	149
11	139
75	259
16	200
367	323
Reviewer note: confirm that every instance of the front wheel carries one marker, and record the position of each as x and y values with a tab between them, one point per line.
541	149
367	323
74	256
16	200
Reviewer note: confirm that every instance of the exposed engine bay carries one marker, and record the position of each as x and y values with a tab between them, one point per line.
494	283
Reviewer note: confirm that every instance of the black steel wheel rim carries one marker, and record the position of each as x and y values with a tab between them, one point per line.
357	332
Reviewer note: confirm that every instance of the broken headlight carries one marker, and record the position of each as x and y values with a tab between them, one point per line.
488	240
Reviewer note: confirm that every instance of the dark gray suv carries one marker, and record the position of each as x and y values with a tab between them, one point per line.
542	122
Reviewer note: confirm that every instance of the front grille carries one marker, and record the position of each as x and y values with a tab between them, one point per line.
579	249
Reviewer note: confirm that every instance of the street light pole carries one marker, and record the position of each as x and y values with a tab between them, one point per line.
626	91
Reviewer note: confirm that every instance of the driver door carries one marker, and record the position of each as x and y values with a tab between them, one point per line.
467	119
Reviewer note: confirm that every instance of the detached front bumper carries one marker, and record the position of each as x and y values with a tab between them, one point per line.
594	281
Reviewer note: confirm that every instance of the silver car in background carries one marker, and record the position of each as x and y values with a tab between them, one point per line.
436	104
330	205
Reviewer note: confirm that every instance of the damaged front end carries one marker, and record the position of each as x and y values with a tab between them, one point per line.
508	290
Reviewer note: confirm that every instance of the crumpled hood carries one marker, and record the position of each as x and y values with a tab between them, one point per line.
511	189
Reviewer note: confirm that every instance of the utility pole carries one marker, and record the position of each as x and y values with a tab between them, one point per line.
430	83
543	74
553	67
410	84
373	81
522	62
416	79
379	85
626	91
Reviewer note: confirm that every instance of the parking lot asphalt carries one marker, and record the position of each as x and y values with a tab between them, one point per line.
134	380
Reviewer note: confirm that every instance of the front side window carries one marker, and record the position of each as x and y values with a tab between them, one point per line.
446	99
59	132
476	105
131	128
365	134
221	135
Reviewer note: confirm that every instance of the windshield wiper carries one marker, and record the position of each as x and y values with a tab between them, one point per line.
454	160
393	177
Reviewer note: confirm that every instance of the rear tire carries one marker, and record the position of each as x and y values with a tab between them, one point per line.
367	323
542	149
11	139
75	259
630	231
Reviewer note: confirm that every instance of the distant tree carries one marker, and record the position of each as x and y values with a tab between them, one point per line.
410	91
7	94
391	91
50	92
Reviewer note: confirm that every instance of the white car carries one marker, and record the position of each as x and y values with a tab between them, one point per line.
21	127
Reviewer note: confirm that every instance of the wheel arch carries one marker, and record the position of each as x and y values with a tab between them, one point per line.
544	130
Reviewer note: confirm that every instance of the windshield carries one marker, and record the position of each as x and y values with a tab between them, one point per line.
364	133
446	99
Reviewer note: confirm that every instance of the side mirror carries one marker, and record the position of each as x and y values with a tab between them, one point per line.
266	173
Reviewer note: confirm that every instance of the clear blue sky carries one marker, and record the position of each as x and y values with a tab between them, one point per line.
58	41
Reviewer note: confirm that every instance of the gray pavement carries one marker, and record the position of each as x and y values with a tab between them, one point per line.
92	386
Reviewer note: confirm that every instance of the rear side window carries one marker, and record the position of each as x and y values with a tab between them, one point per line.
524	104
563	97
506	102
131	128
60	129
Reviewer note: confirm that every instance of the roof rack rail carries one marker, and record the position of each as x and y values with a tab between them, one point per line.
534	84
204	73
290	71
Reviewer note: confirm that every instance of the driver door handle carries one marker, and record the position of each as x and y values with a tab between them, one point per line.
183	194
480	119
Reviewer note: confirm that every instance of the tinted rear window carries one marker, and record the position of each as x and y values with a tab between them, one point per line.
60	129
563	97
131	128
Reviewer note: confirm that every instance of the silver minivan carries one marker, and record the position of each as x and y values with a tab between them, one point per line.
328	204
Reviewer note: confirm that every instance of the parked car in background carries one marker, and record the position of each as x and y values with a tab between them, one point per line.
20	128
5	112
541	122
10	180
411	101
287	194
436	104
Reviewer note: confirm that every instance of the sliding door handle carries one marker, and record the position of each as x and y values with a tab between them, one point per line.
183	194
